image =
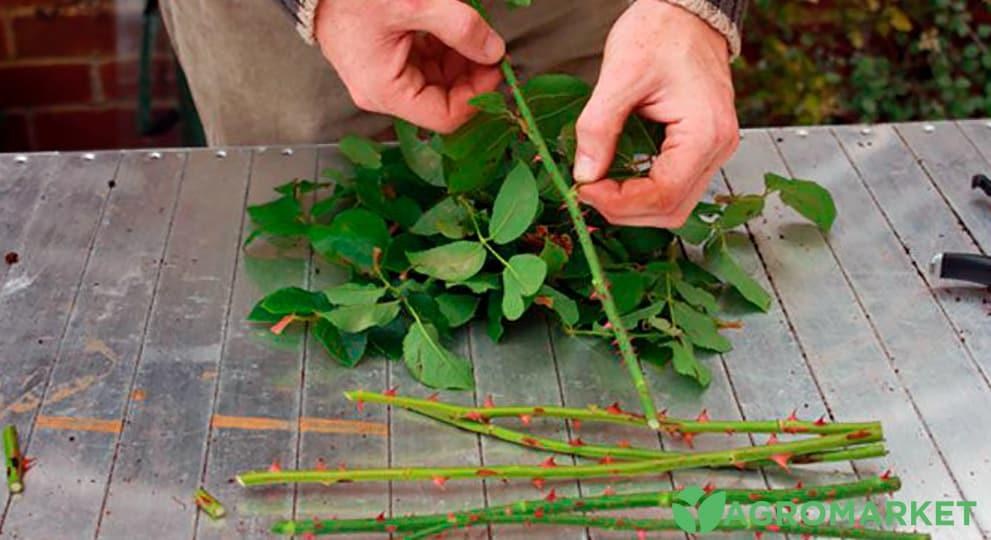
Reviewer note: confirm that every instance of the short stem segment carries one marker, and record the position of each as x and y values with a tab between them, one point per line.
13	460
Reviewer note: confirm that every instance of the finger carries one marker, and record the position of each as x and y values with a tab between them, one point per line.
437	107
600	124
460	27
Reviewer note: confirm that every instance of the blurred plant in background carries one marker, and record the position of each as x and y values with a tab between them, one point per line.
844	61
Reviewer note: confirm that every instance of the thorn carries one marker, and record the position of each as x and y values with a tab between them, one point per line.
275	467
342	466
280	326
772	440
548	463
309	536
538	483
538	512
391	392
435	397
782	461
821	421
28	463
799	485
773	528
390	528
488	403
703	416
709	487
321	465
576	424
360	405
689	439
758	535
439	481
886	474
530	441
662	415
551	496
793	417
641	534
564	206
740	465
607	325
623	443
474	416
606	460
577	441
525	419
614	408
609	491
537	158
381	517
451	518
508	511
593	295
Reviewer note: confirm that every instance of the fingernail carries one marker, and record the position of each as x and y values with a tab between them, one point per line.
493	46
584	168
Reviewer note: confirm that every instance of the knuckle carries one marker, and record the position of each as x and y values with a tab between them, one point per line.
466	25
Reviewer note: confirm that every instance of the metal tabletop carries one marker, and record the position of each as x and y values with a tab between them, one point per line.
126	364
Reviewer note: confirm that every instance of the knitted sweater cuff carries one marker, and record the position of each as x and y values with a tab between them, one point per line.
725	16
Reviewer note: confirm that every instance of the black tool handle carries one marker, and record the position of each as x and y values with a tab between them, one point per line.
964	266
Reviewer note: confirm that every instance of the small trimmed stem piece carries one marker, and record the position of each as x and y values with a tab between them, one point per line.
781	453
209	504
13	460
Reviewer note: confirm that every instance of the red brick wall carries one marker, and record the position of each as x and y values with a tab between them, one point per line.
69	75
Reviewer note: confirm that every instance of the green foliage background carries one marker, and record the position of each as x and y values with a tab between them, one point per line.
846	61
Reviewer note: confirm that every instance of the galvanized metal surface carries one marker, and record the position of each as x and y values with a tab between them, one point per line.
128	369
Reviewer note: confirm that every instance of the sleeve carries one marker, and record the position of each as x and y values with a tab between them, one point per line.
303	13
726	16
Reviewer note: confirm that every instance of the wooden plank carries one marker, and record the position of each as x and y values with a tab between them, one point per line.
260	374
924	224
979	133
520	370
93	369
21	186
39	291
878	304
950	160
324	382
160	451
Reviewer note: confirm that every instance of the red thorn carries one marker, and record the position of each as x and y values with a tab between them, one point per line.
488	403
689	439
485	472
474	416
280	326
538	483
360	405
548	463
740	465
799	485
606	460
703	416
435	397
321	465
607	325
772	440
758	535
564	206
28	463
391	392
576	424
525	419
662	415
538	512
821	421
381	517
641	534
773	528
390	528
623	443
551	496
577	441
614	408
537	158
709	487
886	474
793	417
609	491
530	441
275	467
309	536
439	481
782	460
508	511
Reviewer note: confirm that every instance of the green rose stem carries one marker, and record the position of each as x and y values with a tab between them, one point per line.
14	462
599	283
612	414
602	451
209	504
662	499
627	524
780	453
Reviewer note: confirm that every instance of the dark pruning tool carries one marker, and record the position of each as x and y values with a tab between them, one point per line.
970	267
15	463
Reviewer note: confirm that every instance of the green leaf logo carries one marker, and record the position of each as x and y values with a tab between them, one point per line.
710	510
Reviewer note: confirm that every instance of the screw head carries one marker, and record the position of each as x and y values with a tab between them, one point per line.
987	124
803	133
928	128
866	131
221	153
287	151
155	155
21	159
89	156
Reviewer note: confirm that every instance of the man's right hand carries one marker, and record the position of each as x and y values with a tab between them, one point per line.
420	60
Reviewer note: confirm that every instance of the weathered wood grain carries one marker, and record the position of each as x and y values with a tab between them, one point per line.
871	277
39	291
260	374
21	185
160	451
95	363
324	384
979	133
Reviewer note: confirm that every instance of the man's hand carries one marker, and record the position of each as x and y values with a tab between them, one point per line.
420	60
670	66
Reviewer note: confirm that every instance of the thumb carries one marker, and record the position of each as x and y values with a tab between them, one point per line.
600	125
461	28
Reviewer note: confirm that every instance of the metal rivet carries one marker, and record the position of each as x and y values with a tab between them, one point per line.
803	133
928	128
987	124
89	156
866	131
155	155
221	153
287	151
21	159
742	135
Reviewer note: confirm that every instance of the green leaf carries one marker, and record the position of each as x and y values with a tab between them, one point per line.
432	364
293	300
515	205
633	318
261	315
490	102
695	296
695	231
395	258
653	353
361	151
281	217
358	318
665	326
352	235
685	363
347	349
627	289
555	100
562	304
479	283
388	340
493	316
554	255
523	277
741	210
806	197
351	294
699	328
517	3
457	308
720	262
644	242
476	150
456	261
423	158
446	217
